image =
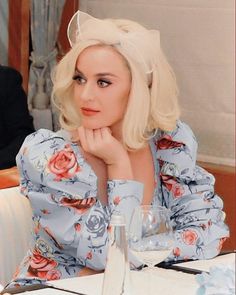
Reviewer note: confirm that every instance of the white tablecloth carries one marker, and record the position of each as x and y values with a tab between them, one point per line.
204	265
145	282
159	281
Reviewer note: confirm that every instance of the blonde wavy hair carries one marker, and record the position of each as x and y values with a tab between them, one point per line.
153	102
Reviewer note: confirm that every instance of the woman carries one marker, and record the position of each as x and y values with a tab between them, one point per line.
121	144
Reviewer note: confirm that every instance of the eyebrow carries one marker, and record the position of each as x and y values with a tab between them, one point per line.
97	75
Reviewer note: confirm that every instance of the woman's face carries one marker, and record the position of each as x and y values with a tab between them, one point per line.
102	86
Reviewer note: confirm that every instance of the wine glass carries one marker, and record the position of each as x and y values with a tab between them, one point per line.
151	235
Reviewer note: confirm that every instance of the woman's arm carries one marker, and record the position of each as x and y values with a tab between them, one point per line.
62	189
188	191
197	216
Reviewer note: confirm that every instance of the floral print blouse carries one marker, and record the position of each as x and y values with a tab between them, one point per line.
70	223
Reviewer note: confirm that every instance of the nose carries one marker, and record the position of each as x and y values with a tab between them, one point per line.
87	92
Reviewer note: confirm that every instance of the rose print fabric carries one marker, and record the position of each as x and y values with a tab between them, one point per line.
70	223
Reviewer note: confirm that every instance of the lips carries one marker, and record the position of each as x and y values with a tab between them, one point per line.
89	112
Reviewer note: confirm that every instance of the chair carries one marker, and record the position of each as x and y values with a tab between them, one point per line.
9	177
15	231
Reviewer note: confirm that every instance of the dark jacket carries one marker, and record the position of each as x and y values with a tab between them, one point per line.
15	120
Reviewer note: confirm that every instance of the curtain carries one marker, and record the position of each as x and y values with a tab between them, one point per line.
4	32
45	23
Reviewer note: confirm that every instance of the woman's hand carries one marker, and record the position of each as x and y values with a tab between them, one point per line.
102	144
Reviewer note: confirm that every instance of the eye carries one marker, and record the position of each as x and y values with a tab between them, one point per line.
103	83
79	79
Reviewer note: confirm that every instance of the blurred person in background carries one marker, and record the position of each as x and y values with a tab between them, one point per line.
15	120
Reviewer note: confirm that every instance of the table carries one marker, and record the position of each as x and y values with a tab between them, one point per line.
159	281
145	282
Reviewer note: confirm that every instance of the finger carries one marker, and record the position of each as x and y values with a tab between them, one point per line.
106	133
97	133
107	129
89	138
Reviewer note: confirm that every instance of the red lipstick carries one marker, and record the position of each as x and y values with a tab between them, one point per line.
88	112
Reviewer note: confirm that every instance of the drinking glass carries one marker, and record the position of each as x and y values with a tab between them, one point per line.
151	235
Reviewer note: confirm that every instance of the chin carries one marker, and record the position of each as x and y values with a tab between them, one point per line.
92	125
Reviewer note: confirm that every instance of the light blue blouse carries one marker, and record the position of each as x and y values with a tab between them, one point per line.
70	223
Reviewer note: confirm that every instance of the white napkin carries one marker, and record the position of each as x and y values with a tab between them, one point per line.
219	281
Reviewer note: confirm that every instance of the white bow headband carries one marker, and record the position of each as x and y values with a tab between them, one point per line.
141	45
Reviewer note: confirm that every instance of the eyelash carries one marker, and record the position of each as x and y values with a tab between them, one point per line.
104	81
78	79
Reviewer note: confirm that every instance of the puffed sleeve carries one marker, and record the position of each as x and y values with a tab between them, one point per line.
188	190
62	189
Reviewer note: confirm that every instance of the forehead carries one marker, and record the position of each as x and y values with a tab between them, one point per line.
103	57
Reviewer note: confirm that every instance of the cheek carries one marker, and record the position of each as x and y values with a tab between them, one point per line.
76	96
119	107
125	99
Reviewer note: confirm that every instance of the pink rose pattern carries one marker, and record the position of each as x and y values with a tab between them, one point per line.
81	206
53	274
89	255
172	185
116	200
167	142
39	265
189	237
71	226
176	252
63	163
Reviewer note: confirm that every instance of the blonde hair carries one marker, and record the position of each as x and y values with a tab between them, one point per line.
153	100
